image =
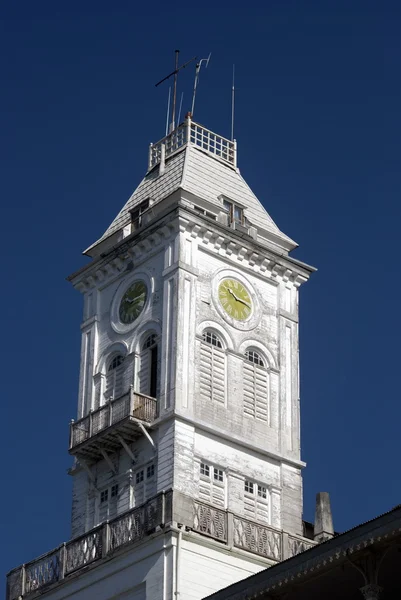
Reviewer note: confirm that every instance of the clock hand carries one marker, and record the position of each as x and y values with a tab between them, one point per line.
237	299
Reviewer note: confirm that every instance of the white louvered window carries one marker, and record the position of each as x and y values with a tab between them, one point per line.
212	484
256	501
212	368
115	378
256	386
148	371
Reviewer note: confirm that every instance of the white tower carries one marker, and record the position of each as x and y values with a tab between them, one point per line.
187	472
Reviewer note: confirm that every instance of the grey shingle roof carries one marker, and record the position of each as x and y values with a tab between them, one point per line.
203	175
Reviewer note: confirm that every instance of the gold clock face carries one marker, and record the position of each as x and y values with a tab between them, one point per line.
235	299
132	302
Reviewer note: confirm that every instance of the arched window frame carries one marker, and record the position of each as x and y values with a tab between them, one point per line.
114	377
213	366
256	385
147	378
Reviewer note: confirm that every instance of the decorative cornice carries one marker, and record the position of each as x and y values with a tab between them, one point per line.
215	237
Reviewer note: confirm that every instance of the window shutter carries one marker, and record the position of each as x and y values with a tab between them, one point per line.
205	489
151	486
218	493
128	373
262	510
109	386
212	373
144	372
256	391
118	380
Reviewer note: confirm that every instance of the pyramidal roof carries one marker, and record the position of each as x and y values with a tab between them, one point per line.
204	165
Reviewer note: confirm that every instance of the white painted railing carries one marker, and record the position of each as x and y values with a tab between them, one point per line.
196	135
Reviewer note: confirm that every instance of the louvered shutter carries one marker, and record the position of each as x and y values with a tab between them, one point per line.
114	386
205	489
144	372
212	373
249	506
262	510
103	511
218	493
119	380
151	486
256	391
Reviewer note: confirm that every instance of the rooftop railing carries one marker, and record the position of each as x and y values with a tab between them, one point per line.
194	134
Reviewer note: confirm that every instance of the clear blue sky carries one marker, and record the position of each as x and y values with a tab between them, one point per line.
319	137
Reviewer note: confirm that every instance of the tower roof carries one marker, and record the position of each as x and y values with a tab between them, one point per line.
203	165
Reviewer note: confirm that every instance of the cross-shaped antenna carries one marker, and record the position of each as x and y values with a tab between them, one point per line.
177	69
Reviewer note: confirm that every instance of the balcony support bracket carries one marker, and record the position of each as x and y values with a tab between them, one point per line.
108	460
126	447
145	432
91	476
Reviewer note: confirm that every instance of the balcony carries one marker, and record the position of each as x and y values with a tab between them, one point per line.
88	550
119	421
50	569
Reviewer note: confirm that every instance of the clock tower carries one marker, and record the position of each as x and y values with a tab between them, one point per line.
187	471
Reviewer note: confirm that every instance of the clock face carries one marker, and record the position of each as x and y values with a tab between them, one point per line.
235	299
132	302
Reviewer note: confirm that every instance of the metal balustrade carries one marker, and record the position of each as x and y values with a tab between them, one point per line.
192	133
132	404
97	543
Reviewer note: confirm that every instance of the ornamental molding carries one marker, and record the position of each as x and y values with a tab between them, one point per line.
128	255
245	253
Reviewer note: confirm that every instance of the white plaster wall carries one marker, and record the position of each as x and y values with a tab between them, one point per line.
197	310
206	569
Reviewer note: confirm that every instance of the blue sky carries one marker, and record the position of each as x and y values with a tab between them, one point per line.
319	140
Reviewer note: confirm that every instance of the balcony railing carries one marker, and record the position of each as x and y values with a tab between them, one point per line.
114	418
68	558
235	531
196	135
134	525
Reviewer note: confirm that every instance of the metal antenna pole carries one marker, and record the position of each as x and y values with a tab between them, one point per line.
232	105
175	73
168	109
177	52
179	111
197	70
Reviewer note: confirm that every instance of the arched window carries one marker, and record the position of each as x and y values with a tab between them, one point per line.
114	377
211	338
148	366
256	386
254	357
212	368
116	362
